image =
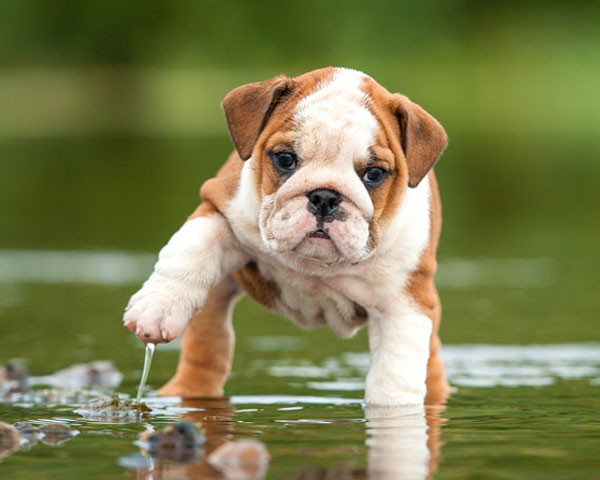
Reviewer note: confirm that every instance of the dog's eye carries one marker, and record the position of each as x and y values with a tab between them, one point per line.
284	161
374	176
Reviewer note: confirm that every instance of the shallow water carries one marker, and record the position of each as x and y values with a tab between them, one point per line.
519	292
317	423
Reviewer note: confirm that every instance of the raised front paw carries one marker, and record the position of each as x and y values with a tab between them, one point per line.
160	310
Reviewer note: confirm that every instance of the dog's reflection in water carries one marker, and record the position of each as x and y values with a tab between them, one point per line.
215	417
403	442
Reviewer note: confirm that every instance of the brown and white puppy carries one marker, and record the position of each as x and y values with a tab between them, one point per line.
328	212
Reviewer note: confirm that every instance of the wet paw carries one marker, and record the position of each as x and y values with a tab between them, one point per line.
160	311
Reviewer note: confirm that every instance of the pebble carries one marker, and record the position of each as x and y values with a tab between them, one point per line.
12	379
243	459
30	434
55	396
10	439
57	433
100	373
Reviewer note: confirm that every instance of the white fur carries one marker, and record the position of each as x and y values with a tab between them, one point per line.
334	124
194	260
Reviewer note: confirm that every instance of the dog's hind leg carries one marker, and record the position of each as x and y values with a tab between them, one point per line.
207	346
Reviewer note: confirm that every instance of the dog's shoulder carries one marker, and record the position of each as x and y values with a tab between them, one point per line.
219	190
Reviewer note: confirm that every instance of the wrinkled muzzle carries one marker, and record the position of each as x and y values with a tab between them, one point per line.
316	226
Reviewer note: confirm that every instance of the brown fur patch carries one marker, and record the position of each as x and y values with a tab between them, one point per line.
275	132
387	197
248	108
256	286
218	191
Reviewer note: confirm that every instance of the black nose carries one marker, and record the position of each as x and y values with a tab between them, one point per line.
323	203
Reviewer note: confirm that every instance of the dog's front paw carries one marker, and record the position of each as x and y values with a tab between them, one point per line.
160	311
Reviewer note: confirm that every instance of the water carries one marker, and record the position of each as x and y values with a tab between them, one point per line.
316	424
149	353
81	221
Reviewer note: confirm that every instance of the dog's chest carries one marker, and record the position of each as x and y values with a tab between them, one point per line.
308	300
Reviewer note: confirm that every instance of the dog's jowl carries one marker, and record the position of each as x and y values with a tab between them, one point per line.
327	212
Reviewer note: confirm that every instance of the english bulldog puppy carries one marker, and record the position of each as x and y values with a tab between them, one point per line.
327	212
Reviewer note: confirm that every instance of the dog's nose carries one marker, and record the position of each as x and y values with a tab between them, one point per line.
323	202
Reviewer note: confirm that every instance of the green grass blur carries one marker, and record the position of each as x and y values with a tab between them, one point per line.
110	122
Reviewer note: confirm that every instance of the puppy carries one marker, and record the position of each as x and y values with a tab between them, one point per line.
327	212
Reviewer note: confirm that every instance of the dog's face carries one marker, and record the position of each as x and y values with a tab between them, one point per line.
331	155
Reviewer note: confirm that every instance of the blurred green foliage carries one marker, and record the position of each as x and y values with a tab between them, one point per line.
525	69
290	34
110	122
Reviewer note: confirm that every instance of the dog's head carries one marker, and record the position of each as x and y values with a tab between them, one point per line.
331	155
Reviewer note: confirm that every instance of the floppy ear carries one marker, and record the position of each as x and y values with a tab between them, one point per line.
247	109
423	139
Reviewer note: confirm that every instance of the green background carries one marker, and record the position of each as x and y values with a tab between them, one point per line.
110	121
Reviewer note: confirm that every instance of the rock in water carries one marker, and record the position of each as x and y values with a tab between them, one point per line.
57	433
55	396
10	439
30	434
101	373
244	459
113	409
12	379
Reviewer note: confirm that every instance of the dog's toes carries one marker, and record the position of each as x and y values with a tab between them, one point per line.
130	325
149	334
145	321
174	325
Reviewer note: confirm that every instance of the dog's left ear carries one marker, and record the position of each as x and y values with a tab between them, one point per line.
423	139
247	109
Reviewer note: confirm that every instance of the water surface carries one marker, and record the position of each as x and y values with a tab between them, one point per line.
81	221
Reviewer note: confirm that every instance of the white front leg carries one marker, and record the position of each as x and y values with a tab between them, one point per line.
399	345
194	260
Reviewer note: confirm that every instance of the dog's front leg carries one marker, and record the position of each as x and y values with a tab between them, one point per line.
399	345
194	260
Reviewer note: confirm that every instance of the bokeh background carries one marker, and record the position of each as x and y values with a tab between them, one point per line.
110	121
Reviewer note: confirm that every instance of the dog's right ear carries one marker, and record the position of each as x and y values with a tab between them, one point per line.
247	109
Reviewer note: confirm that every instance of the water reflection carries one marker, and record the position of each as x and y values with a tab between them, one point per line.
245	459
404	442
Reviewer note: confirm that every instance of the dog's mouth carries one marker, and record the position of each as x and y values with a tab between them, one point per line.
319	233
319	246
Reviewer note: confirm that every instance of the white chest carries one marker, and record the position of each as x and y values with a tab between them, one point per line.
312	300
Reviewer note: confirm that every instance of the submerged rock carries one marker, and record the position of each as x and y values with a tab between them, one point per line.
12	379
115	409
10	439
180	442
57	433
244	459
55	396
30	434
101	373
